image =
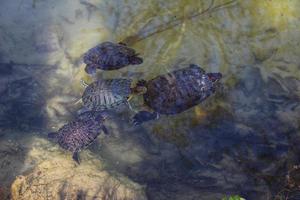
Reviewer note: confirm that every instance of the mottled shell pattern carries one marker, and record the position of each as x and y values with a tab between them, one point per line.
106	94
179	90
79	133
111	56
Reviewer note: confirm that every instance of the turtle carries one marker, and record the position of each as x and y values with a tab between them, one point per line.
168	94
176	92
107	94
110	56
81	132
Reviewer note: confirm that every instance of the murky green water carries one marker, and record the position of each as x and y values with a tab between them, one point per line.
244	140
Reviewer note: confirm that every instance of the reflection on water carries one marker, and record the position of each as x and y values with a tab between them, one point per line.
244	140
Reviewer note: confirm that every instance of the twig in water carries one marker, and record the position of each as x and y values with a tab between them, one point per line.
130	40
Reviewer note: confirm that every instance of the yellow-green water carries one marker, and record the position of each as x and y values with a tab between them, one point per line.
243	140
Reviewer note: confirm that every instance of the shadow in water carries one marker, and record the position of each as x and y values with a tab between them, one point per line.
248	151
24	89
23	98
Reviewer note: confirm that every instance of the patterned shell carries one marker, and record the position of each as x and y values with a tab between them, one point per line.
78	134
111	56
178	91
106	94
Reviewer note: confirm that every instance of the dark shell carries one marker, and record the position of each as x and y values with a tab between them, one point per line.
79	134
179	90
106	94
111	56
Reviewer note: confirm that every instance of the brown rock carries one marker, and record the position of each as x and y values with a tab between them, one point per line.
60	178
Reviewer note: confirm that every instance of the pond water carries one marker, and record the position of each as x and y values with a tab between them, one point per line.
244	140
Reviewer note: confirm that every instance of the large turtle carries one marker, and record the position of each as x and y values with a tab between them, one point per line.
168	94
81	132
176	92
110	56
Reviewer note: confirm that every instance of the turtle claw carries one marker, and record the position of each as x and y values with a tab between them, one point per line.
143	116
83	83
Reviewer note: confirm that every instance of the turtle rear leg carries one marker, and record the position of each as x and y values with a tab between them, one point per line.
53	136
76	157
144	116
105	131
135	60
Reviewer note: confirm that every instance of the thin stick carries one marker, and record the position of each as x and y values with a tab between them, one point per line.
161	28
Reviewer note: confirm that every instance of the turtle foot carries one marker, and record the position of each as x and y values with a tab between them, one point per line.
76	157
144	116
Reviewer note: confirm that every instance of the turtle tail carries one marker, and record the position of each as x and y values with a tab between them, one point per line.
214	77
135	60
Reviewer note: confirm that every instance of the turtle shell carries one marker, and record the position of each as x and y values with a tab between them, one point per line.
111	56
78	134
106	94
178	91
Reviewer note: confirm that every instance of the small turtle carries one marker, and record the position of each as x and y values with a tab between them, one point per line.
176	92
110	56
107	94
81	132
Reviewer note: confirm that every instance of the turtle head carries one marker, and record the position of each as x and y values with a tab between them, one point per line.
214	77
140	88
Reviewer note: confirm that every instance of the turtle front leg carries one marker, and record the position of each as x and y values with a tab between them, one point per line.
83	83
90	69
144	116
76	156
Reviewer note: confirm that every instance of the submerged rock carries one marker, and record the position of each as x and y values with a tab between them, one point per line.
44	171
59	178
